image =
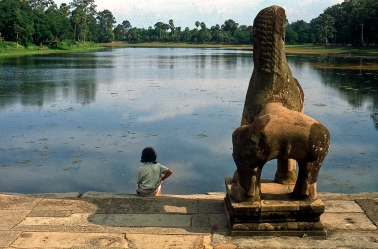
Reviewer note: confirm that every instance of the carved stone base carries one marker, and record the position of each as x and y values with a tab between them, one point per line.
277	214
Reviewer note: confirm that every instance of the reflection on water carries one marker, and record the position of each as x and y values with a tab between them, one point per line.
78	122
355	79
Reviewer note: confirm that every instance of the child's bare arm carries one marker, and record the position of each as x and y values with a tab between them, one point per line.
167	174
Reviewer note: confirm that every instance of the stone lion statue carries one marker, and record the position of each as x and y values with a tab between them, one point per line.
273	125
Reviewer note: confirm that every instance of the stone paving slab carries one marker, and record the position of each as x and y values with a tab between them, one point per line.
349	221
10	218
73	205
112	220
337	206
20	202
325	196
139	241
211	206
370	208
69	240
137	204
338	240
50	213
105	229
7	237
102	220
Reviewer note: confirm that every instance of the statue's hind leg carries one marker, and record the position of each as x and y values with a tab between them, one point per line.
319	141
286	171
305	187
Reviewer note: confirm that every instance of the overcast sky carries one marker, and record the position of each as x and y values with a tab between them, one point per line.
145	13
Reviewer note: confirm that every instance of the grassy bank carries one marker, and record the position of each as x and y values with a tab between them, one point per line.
320	49
177	45
290	49
10	48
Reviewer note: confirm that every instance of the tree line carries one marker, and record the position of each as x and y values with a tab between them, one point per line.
352	22
42	22
229	32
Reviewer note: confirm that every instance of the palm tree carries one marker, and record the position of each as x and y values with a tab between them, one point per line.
160	26
172	27
166	26
231	26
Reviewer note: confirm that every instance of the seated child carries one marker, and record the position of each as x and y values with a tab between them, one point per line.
150	175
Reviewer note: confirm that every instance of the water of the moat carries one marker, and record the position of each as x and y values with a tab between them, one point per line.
78	122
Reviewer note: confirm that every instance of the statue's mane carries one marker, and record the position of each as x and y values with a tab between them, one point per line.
272	80
269	33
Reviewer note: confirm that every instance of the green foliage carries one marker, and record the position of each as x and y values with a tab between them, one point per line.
66	44
41	22
324	28
355	22
291	36
303	31
105	22
5	45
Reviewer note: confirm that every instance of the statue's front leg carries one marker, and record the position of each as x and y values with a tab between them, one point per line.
305	187
286	171
242	193
254	191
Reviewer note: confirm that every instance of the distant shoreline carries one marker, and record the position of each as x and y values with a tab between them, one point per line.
308	49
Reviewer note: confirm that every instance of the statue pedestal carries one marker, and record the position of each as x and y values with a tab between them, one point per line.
276	214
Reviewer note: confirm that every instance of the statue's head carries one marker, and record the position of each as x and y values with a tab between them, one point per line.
268	34
248	153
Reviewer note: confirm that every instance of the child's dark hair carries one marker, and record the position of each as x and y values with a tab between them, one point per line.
148	155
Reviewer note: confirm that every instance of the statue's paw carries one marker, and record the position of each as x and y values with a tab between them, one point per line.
307	192
236	193
299	196
240	195
287	178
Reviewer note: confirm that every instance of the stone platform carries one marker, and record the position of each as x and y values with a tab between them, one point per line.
120	220
276	214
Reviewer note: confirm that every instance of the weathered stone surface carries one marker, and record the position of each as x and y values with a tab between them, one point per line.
74	205
218	223
72	220
123	204
211	206
281	216
110	229
347	239
200	220
114	220
69	240
175	241
273	190
370	207
342	207
66	196
279	229
10	218
150	220
347	221
7	237
84	230
285	208
277	217
15	201
100	195
50	213
348	197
